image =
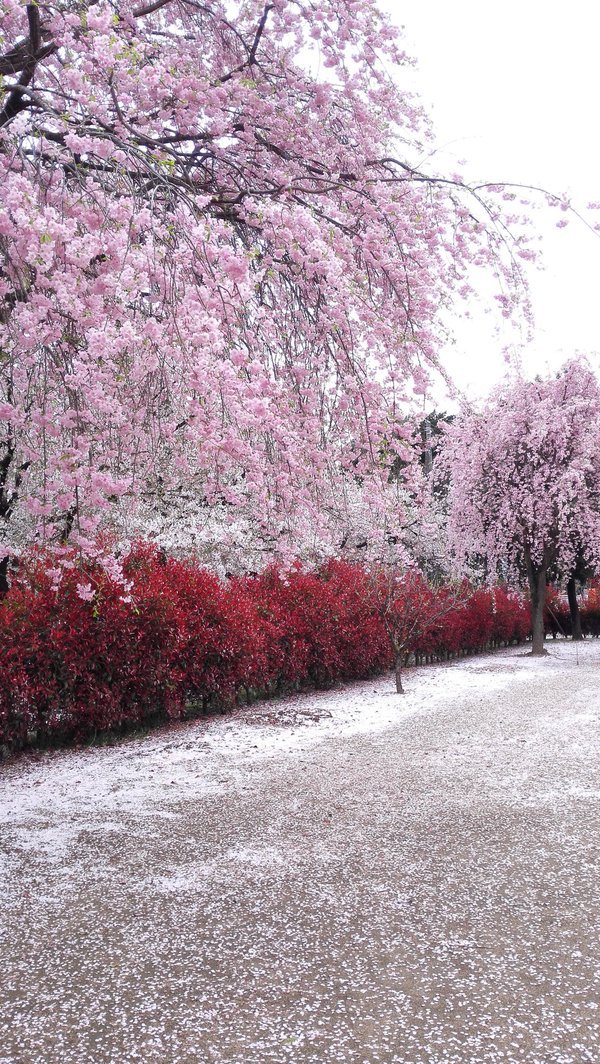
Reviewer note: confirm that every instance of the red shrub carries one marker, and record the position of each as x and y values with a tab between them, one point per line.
511	616
590	613
175	638
77	666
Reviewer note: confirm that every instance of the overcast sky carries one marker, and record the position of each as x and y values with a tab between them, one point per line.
513	89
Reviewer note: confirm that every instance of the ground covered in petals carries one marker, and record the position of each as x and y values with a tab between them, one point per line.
347	877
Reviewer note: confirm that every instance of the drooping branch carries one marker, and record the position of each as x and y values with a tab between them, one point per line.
216	285
25	58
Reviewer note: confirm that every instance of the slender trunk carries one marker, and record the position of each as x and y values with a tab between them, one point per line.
537	588
398	672
574	608
427	449
4	576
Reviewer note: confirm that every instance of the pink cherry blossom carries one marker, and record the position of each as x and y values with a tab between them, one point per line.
221	269
524	477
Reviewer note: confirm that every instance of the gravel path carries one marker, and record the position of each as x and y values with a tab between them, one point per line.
343	878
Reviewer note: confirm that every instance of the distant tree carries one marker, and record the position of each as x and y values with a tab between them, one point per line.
579	574
525	481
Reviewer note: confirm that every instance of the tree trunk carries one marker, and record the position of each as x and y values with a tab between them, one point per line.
398	672
574	608
537	588
4	576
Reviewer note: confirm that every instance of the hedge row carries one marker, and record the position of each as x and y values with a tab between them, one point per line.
182	642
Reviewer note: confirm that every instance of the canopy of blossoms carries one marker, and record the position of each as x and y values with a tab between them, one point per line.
221	265
524	480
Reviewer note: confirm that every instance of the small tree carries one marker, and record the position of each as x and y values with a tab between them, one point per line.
410	608
525	481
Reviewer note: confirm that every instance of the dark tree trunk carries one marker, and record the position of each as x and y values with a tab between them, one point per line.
4	576
537	588
536	576
574	608
398	672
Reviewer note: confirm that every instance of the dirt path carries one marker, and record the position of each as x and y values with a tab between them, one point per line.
407	881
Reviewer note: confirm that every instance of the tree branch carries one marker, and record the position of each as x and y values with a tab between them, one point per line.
28	56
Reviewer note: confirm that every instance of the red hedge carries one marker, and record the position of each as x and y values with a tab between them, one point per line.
557	615
183	641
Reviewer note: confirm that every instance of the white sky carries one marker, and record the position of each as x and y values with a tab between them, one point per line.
513	89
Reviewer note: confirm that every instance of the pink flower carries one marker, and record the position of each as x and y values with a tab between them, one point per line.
85	592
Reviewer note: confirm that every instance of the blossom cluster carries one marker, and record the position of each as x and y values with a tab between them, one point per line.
524	475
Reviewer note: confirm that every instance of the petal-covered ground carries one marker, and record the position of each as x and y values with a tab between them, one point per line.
350	877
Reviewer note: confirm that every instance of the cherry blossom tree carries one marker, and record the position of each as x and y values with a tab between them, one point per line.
222	265
525	481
